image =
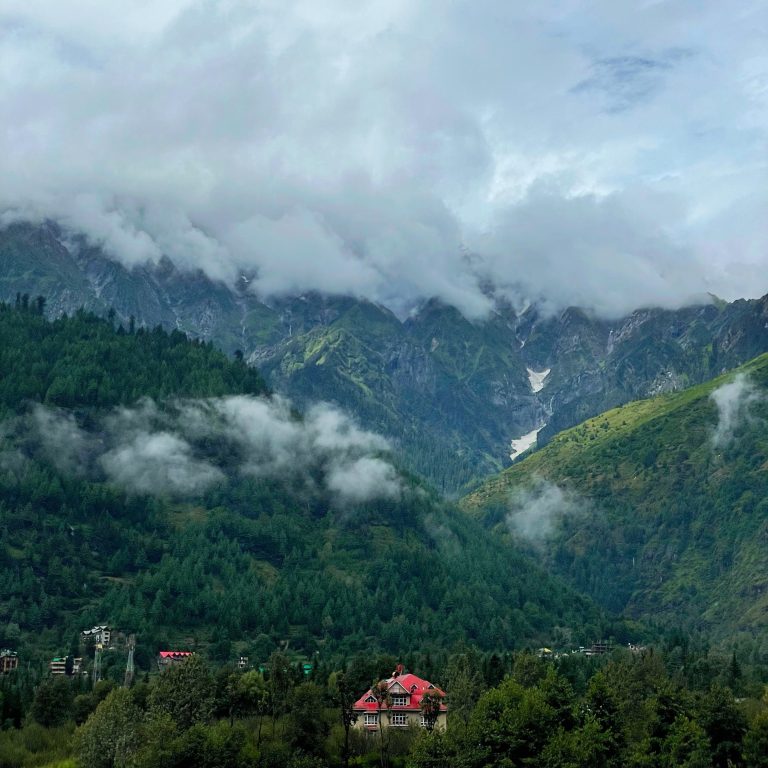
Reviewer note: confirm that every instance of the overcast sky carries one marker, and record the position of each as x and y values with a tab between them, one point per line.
609	153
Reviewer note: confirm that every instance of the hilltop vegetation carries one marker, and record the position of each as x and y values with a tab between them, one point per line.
659	507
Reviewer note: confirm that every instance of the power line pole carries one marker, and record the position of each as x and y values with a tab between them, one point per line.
129	667
97	663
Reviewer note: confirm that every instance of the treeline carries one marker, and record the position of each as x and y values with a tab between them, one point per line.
84	361
629	710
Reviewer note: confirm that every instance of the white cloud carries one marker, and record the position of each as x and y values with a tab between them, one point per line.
159	463
186	446
355	148
535	512
363	479
734	400
64	444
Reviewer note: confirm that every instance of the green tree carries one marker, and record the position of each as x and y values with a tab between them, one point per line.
110	736
185	692
52	704
724	725
464	685
510	725
430	708
278	683
756	742
306	726
380	692
686	745
345	697
432	750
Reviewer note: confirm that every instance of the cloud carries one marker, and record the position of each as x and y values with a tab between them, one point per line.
360	480
626	81
361	149
535	512
159	463
186	446
734	401
62	441
605	252
274	442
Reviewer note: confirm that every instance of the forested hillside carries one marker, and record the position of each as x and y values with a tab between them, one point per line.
147	483
656	509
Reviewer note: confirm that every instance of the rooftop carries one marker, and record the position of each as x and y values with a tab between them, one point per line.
403	684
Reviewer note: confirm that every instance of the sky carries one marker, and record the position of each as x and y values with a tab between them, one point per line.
605	154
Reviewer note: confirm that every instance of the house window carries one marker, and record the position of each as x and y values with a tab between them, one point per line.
371	700
371	718
399	718
423	722
399	701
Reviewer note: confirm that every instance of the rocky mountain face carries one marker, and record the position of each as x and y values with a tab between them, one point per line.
451	394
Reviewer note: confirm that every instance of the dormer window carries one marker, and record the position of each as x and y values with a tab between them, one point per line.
399	700
370	700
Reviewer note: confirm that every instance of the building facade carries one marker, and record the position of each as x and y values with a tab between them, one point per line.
400	701
98	635
58	665
9	661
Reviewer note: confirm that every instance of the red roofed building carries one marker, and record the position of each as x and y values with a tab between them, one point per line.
166	659
400	701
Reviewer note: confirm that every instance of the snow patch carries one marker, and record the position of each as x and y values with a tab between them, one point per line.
536	378
522	444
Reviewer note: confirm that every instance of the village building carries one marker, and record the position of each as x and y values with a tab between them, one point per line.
600	648
167	659
402	705
58	665
101	635
9	661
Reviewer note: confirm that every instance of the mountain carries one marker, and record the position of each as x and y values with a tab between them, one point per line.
148	481
450	393
656	509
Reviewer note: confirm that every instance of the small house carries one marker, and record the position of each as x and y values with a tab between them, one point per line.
58	665
401	700
100	635
9	661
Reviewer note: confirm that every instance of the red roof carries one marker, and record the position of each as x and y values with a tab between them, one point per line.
174	654
414	688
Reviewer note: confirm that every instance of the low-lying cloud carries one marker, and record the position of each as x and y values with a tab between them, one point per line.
535	512
734	401
187	446
400	150
159	462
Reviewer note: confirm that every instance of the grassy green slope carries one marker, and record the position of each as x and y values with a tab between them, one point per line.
671	526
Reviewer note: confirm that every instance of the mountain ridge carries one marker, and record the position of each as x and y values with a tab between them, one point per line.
452	394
